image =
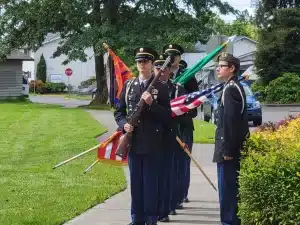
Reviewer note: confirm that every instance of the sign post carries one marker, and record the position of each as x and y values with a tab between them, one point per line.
68	72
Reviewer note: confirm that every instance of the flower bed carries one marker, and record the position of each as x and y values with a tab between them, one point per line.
270	175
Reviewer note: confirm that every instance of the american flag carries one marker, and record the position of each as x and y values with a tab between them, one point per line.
185	103
107	150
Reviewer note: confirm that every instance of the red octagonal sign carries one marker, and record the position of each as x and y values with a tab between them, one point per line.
68	71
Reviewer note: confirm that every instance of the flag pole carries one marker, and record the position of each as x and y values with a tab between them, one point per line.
87	151
76	156
91	166
187	151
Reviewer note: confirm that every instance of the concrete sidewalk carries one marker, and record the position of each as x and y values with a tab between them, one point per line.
202	210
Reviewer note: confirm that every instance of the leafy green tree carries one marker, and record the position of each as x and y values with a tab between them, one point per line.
243	25
123	24
279	45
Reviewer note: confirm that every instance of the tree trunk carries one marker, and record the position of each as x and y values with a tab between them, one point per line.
102	91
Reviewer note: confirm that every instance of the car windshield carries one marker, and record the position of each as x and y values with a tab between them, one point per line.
248	91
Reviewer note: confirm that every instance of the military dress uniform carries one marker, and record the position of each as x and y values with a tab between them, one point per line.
232	130
146	143
166	183
186	131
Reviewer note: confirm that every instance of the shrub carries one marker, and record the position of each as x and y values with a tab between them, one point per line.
284	89
38	86
270	175
258	87
55	87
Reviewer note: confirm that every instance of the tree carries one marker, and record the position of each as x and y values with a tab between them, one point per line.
279	45
266	8
124	24
41	70
243	25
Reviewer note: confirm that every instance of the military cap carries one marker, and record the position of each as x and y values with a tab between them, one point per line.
145	53
174	49
182	64
226	58
161	60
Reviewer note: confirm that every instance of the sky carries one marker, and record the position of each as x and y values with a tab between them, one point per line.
240	5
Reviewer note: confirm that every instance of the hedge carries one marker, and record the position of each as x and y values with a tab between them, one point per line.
41	88
270	175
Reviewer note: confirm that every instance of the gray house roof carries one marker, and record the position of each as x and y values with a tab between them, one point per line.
17	55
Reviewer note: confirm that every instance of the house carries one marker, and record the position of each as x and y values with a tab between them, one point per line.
81	70
11	75
56	71
242	47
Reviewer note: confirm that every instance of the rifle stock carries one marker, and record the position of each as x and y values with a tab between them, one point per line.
124	143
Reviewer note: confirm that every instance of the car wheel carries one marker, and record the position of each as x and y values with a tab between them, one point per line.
257	122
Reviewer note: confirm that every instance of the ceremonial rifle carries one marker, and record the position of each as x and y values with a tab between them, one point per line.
125	140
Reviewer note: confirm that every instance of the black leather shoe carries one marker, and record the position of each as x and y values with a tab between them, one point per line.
173	213
186	200
179	206
164	219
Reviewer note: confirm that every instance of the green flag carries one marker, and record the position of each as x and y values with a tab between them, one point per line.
189	73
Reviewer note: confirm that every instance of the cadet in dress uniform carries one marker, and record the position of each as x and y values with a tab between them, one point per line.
170	144
232	130
186	128
147	139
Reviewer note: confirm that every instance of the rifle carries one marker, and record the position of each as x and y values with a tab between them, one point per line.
125	140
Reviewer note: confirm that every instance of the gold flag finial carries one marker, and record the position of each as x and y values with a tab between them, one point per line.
105	46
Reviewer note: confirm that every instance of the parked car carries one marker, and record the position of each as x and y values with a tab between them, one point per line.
25	88
253	107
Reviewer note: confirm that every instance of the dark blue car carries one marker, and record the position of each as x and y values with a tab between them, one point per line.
253	107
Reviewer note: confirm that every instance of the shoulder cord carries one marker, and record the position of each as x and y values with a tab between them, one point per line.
239	89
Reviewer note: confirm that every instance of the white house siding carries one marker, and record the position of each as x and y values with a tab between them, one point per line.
56	71
11	79
243	46
192	58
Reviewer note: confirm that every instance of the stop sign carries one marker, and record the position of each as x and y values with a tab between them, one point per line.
68	71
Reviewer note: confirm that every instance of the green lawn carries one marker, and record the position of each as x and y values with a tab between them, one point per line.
33	139
204	132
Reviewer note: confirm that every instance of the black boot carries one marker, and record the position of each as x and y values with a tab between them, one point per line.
164	219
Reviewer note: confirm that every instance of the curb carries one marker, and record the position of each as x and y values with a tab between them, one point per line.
281	105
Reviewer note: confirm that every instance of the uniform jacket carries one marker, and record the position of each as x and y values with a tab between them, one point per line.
148	134
173	127
232	126
187	124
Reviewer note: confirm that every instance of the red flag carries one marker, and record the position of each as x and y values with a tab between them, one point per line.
122	72
107	150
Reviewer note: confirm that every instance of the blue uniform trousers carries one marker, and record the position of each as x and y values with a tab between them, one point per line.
178	177
165	182
188	139
228	191
144	174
